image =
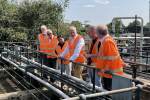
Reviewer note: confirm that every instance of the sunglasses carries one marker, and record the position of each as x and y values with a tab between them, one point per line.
49	33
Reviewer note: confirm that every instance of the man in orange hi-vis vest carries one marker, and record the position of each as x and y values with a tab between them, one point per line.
51	50
41	43
92	55
108	56
75	47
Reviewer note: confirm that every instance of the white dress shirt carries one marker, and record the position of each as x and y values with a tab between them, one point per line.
78	48
104	38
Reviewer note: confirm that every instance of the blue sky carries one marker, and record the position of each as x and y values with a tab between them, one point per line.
103	11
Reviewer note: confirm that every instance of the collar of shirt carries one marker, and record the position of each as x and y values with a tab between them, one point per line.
104	37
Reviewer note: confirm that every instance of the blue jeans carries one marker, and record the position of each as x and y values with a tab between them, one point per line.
97	77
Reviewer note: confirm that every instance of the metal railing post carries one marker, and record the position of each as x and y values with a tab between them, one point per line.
41	59
62	65
146	61
93	80
121	53
20	55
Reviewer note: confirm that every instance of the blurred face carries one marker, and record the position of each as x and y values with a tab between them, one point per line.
61	40
44	30
73	33
99	35
91	33
50	33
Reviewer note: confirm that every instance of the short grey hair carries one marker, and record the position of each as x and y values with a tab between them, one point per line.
49	30
72	27
102	29
92	28
43	26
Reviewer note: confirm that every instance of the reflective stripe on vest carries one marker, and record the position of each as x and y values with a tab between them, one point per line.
94	64
51	53
42	48
109	58
54	45
117	70
76	44
44	39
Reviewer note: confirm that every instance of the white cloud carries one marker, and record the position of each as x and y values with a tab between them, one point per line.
115	12
131	11
89	6
102	1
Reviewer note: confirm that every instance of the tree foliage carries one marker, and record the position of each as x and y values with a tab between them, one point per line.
20	22
133	23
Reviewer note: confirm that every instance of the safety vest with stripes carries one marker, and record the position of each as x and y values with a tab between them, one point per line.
51	47
43	42
72	48
94	51
59	51
109	58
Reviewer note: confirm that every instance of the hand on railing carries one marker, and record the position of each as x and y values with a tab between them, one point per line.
103	71
58	56
86	55
124	64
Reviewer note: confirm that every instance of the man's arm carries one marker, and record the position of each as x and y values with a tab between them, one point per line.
78	49
65	51
91	55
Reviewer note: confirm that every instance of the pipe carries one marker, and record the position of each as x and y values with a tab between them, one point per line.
115	18
69	76
38	79
20	83
84	97
136	63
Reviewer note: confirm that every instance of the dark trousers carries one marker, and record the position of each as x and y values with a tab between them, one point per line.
52	62
107	83
43	57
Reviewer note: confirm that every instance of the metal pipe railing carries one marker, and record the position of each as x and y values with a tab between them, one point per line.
84	97
38	79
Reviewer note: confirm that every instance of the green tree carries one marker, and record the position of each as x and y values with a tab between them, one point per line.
9	23
148	24
133	23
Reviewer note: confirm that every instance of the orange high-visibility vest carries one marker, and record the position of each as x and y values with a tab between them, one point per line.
72	48
59	51
51	47
43	42
109	58
94	51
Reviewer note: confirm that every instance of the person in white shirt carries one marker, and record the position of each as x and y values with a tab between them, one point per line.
75	47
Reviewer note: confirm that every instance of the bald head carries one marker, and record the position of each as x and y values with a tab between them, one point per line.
102	29
72	31
92	32
92	28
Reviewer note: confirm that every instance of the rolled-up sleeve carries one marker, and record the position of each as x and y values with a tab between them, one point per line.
79	46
